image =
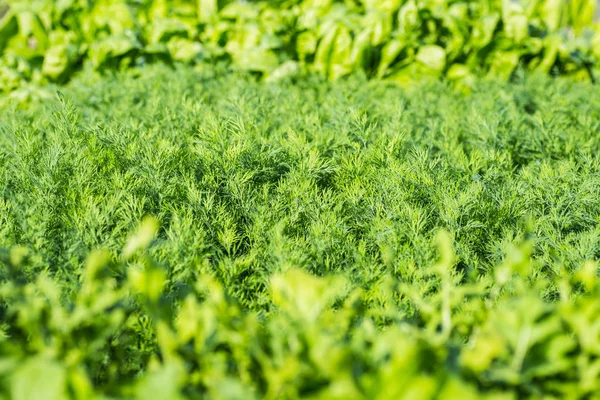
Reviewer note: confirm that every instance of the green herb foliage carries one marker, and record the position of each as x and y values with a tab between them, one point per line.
186	234
398	40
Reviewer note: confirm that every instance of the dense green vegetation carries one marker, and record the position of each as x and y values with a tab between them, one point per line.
198	234
399	40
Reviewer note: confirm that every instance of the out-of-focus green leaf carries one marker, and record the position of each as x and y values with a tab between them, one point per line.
340	63
113	48
244	38
149	282
303	296
462	77
483	30
39	379
406	76
514	20
408	18
388	54
56	61
239	11
582	13
10	79
433	57
553	14
164	29
185	50
207	10
361	50
533	45
324	50
117	16
503	64
306	44
289	69
454	22
142	238
31	27
62	54
315	33
9	27
162	383
595	42
382	5
380	24
256	59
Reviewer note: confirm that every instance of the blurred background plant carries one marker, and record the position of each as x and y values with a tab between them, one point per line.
134	337
399	40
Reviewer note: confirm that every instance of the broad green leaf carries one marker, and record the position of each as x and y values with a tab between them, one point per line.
142	237
455	45
483	30
503	63
516	28
185	50
113	48
32	28
62	54
456	388
408	18
39	379
533	45
341	388
458	71
459	11
207	10
582	14
553	14
406	76
116	15
340	63
163	383
289	69
159	9
247	37
400	377
388	54
434	57
149	282
302	295
306	44
239	11
157	49
382	5
360	55
162	30
81	385
380	24
514	20
230	389
588	275
10	79
256	59
316	4
595	43
9	27
56	61
485	349
324	50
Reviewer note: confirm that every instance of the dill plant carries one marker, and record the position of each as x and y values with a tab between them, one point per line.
197	234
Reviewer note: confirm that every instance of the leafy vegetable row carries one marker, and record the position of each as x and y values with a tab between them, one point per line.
129	333
399	40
